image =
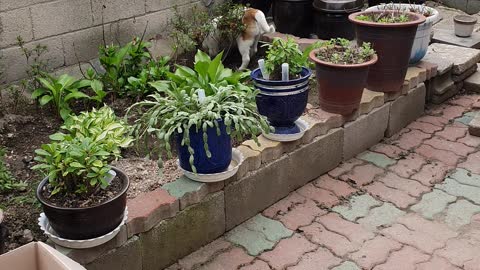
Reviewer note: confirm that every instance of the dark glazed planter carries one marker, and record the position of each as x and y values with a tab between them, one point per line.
90	222
293	17
393	43
219	146
331	18
282	102
340	86
378	2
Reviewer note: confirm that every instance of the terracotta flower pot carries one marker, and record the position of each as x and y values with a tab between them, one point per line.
340	86
393	43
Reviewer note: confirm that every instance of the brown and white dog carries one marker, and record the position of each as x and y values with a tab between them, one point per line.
256	25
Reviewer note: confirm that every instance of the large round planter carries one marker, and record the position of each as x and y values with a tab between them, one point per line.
340	86
393	43
378	2
88	222
293	17
282	102
219	146
424	30
331	18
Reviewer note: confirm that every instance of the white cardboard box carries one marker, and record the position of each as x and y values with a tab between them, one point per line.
37	256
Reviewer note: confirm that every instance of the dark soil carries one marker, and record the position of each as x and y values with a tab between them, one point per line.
83	201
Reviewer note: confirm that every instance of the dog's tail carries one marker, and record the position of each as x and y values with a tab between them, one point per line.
262	22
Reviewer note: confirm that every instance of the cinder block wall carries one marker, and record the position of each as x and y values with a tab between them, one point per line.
469	6
72	29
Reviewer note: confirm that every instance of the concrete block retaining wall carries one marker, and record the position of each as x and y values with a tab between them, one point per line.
183	216
72	29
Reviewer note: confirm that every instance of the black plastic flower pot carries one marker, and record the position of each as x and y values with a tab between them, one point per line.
88	222
293	17
378	2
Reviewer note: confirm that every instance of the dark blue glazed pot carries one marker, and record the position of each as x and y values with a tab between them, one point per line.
282	102
219	146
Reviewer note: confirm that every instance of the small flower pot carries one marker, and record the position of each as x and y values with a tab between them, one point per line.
88	222
220	147
393	43
424	30
282	102
340	86
464	25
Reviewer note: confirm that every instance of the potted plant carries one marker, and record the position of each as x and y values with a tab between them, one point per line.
424	30
283	101
201	110
464	25
341	72
391	34
81	196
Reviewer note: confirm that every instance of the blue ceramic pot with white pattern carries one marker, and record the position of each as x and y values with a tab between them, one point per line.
282	102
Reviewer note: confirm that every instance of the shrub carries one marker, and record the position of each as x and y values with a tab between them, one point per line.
7	181
78	161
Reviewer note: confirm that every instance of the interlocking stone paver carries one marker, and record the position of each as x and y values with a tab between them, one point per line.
460	213
253	241
379	160
389	150
272	229
288	252
321	259
231	259
344	167
471	163
301	215
411	139
383	215
362	175
340	245
434	120
436	263
256	265
398	197
321	196
374	251
447	157
452	133
464	101
424	127
459	251
454	188
357	206
409	165
352	231
283	206
202	255
433	203
466	118
347	266
470	140
405	259
339	188
411	187
451	112
465	177
431	173
455	147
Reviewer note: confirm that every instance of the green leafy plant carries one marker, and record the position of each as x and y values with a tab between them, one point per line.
341	51
229	23
63	90
153	71
37	65
8	183
386	16
177	106
123	62
287	51
77	162
207	74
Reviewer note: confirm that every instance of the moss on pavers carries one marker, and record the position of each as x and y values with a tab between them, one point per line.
383	215
466	118
379	160
460	213
258	234
348	265
357	207
433	203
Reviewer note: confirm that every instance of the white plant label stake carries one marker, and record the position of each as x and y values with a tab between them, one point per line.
285	72
201	96
261	65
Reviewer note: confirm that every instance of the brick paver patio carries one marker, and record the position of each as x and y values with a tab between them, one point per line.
410	202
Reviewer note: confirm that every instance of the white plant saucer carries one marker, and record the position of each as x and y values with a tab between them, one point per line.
237	160
302	124
78	244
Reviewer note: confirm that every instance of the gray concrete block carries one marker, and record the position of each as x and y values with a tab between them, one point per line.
472	83
15	23
114	10
447	36
59	17
443	55
126	257
156	5
451	90
10	4
365	132
406	109
474	126
249	196
464	75
190	229
17	64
